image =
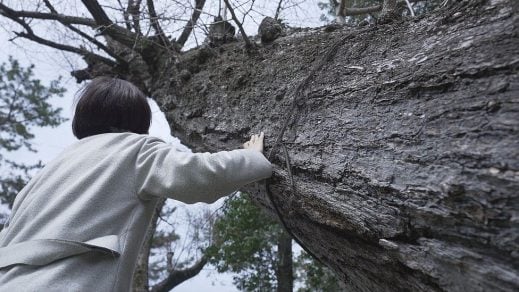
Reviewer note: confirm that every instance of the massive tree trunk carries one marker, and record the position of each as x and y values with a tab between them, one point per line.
403	145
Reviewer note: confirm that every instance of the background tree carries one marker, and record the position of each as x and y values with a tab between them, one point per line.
245	244
315	277
174	259
24	104
249	242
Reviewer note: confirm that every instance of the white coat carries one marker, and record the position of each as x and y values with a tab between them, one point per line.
79	223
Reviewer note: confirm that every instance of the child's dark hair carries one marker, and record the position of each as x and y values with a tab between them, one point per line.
108	105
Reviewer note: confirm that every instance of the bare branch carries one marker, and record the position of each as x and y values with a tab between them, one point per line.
118	33
126	14
97	12
278	10
30	35
80	51
199	5
248	43
251	8
363	10
86	36
156	25
178	276
134	7
410	7
8	12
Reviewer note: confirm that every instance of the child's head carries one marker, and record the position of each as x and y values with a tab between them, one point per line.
109	105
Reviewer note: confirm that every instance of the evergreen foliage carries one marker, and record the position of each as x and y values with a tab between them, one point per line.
245	243
24	103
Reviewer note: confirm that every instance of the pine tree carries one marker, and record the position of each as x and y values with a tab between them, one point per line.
24	104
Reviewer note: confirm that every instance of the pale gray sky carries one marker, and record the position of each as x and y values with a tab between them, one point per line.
50	64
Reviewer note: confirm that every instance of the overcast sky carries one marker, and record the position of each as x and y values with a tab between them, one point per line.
50	64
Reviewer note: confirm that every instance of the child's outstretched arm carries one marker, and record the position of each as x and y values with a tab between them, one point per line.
199	177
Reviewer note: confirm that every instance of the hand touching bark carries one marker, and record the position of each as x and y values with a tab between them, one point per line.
255	142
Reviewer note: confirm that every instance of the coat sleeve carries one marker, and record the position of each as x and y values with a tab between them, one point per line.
163	171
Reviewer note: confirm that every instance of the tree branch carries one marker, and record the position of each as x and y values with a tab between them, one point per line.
118	33
134	7
8	12
156	25
80	51
410	7
126	14
97	12
30	35
387	6
248	43
363	10
186	32
178	276
87	37
278	10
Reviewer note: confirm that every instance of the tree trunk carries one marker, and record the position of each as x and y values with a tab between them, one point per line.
403	145
174	277
141	276
285	273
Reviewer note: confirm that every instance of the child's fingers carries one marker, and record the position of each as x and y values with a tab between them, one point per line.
257	137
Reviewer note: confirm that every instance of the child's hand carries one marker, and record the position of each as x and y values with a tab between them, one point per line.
255	142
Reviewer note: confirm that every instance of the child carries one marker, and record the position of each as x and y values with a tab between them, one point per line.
79	223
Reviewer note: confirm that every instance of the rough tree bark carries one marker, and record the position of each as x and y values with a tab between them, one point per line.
403	146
